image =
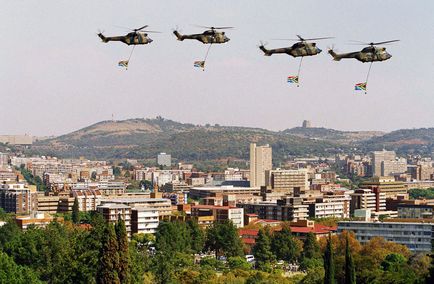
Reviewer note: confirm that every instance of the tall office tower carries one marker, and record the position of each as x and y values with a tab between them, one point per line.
260	161
378	157
164	159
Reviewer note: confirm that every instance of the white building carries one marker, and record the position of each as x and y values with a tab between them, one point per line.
144	220
417	237
164	159
260	161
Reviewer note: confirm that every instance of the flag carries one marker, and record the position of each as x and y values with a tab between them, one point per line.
293	79
123	63
360	87
200	64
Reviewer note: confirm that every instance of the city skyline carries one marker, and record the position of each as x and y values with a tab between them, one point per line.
60	77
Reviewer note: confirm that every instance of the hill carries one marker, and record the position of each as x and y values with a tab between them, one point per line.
404	141
145	138
344	137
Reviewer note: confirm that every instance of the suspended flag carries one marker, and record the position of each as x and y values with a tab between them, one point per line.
360	87
293	79
199	64
123	63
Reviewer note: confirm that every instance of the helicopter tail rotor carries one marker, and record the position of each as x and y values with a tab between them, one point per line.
178	35
262	47
335	56
102	37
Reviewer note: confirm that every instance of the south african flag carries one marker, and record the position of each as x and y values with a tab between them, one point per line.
360	87
199	64
293	79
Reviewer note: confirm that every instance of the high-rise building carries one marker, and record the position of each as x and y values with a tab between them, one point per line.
164	159
286	181
378	157
260	161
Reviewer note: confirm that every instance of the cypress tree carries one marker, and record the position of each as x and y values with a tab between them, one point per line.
350	270
75	212
262	249
124	257
311	247
329	265
109	258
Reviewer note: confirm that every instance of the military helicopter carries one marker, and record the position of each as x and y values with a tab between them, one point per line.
135	37
209	36
371	53
299	49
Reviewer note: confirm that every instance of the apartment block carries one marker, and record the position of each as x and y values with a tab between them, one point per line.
144	220
260	161
418	237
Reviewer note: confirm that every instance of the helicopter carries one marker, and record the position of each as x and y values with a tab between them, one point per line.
371	53
209	36
135	37
299	49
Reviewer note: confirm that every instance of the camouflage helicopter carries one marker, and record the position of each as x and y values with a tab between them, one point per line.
209	36
135	37
299	49
371	53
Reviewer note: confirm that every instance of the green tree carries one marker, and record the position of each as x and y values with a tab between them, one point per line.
75	212
285	246
123	250
262	249
109	258
10	272
350	270
311	247
223	239
173	237
197	236
329	265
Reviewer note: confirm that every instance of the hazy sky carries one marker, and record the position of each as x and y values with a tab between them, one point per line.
57	76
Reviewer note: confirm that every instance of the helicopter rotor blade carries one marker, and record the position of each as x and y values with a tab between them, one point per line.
136	30
157	32
384	42
356	42
318	38
299	36
214	28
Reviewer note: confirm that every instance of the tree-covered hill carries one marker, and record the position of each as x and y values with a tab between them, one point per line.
145	138
404	141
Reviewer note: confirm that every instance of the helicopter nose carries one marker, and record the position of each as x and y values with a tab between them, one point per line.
227	39
389	56
150	40
318	50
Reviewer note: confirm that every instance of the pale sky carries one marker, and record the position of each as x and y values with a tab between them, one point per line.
57	76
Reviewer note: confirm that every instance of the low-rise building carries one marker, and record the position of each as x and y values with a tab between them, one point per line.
112	212
144	220
418	237
220	213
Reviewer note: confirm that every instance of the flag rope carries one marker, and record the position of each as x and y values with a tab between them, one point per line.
367	77
206	56
298	73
